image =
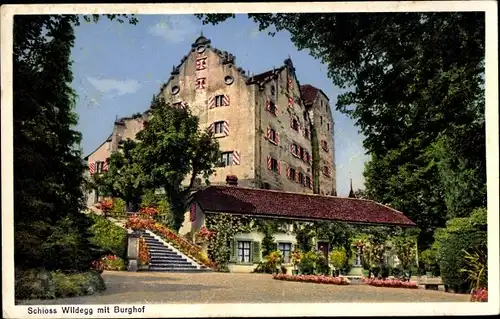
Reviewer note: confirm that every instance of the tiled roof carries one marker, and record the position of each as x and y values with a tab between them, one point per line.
270	203
309	93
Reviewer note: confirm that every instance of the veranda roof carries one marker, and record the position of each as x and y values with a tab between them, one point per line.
279	204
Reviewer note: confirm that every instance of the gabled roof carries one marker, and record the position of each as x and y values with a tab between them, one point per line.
264	76
279	204
309	93
98	147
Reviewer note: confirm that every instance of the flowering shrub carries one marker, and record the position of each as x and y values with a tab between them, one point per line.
390	283
479	295
136	222
106	205
204	234
97	265
314	279
296	256
144	258
112	262
149	211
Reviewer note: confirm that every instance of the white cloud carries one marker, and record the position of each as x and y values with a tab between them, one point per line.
114	87
176	29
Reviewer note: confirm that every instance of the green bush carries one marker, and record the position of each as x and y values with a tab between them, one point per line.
307	264
338	258
119	207
322	267
461	235
429	259
42	284
110	237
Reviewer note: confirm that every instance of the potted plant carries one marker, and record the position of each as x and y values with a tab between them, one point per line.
296	257
429	258
338	259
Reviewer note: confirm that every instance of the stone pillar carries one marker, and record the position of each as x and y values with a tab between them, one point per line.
133	250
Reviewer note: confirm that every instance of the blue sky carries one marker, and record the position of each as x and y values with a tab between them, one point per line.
118	67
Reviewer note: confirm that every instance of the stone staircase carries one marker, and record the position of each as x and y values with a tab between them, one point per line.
165	258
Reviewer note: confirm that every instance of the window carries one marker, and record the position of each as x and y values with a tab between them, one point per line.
301	179
273	90
307	157
272	107
285	249
291	173
321	120
200	83
201	64
219	127
273	165
295	124
177	105
99	167
226	158
306	133
294	149
321	102
301	152
244	251
326	107
273	136
221	100
324	145
326	171
308	181
328	126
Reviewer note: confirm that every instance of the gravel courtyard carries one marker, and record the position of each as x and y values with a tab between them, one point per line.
150	287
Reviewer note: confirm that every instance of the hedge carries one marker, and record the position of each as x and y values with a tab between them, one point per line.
110	237
42	284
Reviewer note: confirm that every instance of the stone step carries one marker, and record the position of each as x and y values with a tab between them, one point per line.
175	269
169	259
170	265
165	255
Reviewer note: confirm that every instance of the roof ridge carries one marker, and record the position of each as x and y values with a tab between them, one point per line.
289	192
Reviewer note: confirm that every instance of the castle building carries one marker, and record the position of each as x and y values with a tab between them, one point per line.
273	132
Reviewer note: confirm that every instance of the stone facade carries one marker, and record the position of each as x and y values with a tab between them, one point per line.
262	122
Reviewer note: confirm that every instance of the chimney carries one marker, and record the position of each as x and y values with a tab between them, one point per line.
232	180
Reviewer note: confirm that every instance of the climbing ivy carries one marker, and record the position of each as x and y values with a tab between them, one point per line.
315	161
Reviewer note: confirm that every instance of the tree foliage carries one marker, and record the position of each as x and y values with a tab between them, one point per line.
419	104
172	148
50	230
124	178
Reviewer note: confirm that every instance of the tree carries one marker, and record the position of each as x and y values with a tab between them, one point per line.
124	178
407	88
49	229
172	148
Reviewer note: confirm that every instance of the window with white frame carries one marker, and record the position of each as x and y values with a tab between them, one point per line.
244	251
285	249
219	127
226	158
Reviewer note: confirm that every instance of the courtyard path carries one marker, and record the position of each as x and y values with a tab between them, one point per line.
150	287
